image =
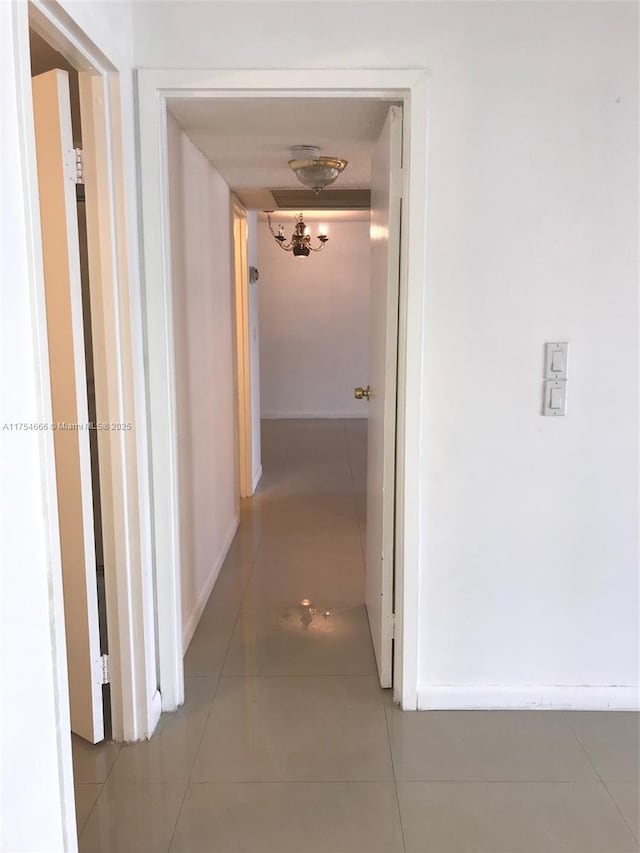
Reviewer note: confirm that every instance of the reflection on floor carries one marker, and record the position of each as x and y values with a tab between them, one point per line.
287	744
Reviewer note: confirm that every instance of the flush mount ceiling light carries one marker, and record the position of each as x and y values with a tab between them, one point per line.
314	170
300	242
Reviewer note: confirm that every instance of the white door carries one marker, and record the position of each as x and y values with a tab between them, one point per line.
386	178
243	349
61	257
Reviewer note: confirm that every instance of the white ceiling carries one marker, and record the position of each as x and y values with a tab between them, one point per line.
248	140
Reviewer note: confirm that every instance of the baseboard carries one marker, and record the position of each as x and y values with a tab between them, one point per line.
257	476
191	624
529	697
357	414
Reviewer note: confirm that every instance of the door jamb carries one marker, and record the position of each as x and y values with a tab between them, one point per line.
410	86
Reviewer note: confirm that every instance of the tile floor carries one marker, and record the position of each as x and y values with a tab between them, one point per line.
287	744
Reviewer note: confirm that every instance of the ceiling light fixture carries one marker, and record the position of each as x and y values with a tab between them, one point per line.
314	170
300	243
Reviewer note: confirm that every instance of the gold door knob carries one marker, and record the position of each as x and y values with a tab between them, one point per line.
359	393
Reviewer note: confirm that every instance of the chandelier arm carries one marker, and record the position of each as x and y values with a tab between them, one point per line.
323	242
273	233
300	243
270	225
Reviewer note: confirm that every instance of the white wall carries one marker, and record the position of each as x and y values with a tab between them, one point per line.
529	554
254	346
206	404
314	323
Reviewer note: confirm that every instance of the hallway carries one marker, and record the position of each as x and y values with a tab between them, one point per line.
287	744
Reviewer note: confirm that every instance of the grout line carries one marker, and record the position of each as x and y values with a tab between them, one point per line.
602	781
495	782
196	752
395	780
299	782
619	810
371	675
106	778
80	829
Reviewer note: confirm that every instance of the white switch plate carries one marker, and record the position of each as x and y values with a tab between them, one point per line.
555	398
555	360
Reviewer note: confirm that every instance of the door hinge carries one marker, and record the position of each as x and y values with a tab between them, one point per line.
392	625
104	669
79	159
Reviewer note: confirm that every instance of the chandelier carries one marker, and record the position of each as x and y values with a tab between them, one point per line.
312	169
300	242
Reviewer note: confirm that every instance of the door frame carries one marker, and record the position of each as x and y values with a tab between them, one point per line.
411	88
242	344
116	328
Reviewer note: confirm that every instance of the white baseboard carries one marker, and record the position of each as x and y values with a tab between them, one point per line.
191	624
319	416
529	697
257	476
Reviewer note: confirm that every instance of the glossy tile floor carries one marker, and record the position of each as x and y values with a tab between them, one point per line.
286	744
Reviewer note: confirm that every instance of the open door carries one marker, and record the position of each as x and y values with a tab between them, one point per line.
243	348
61	257
386	189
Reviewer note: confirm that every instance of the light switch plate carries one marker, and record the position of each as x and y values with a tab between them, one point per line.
555	360
555	398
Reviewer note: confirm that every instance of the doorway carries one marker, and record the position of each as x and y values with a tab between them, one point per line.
410	89
218	147
56	100
116	337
